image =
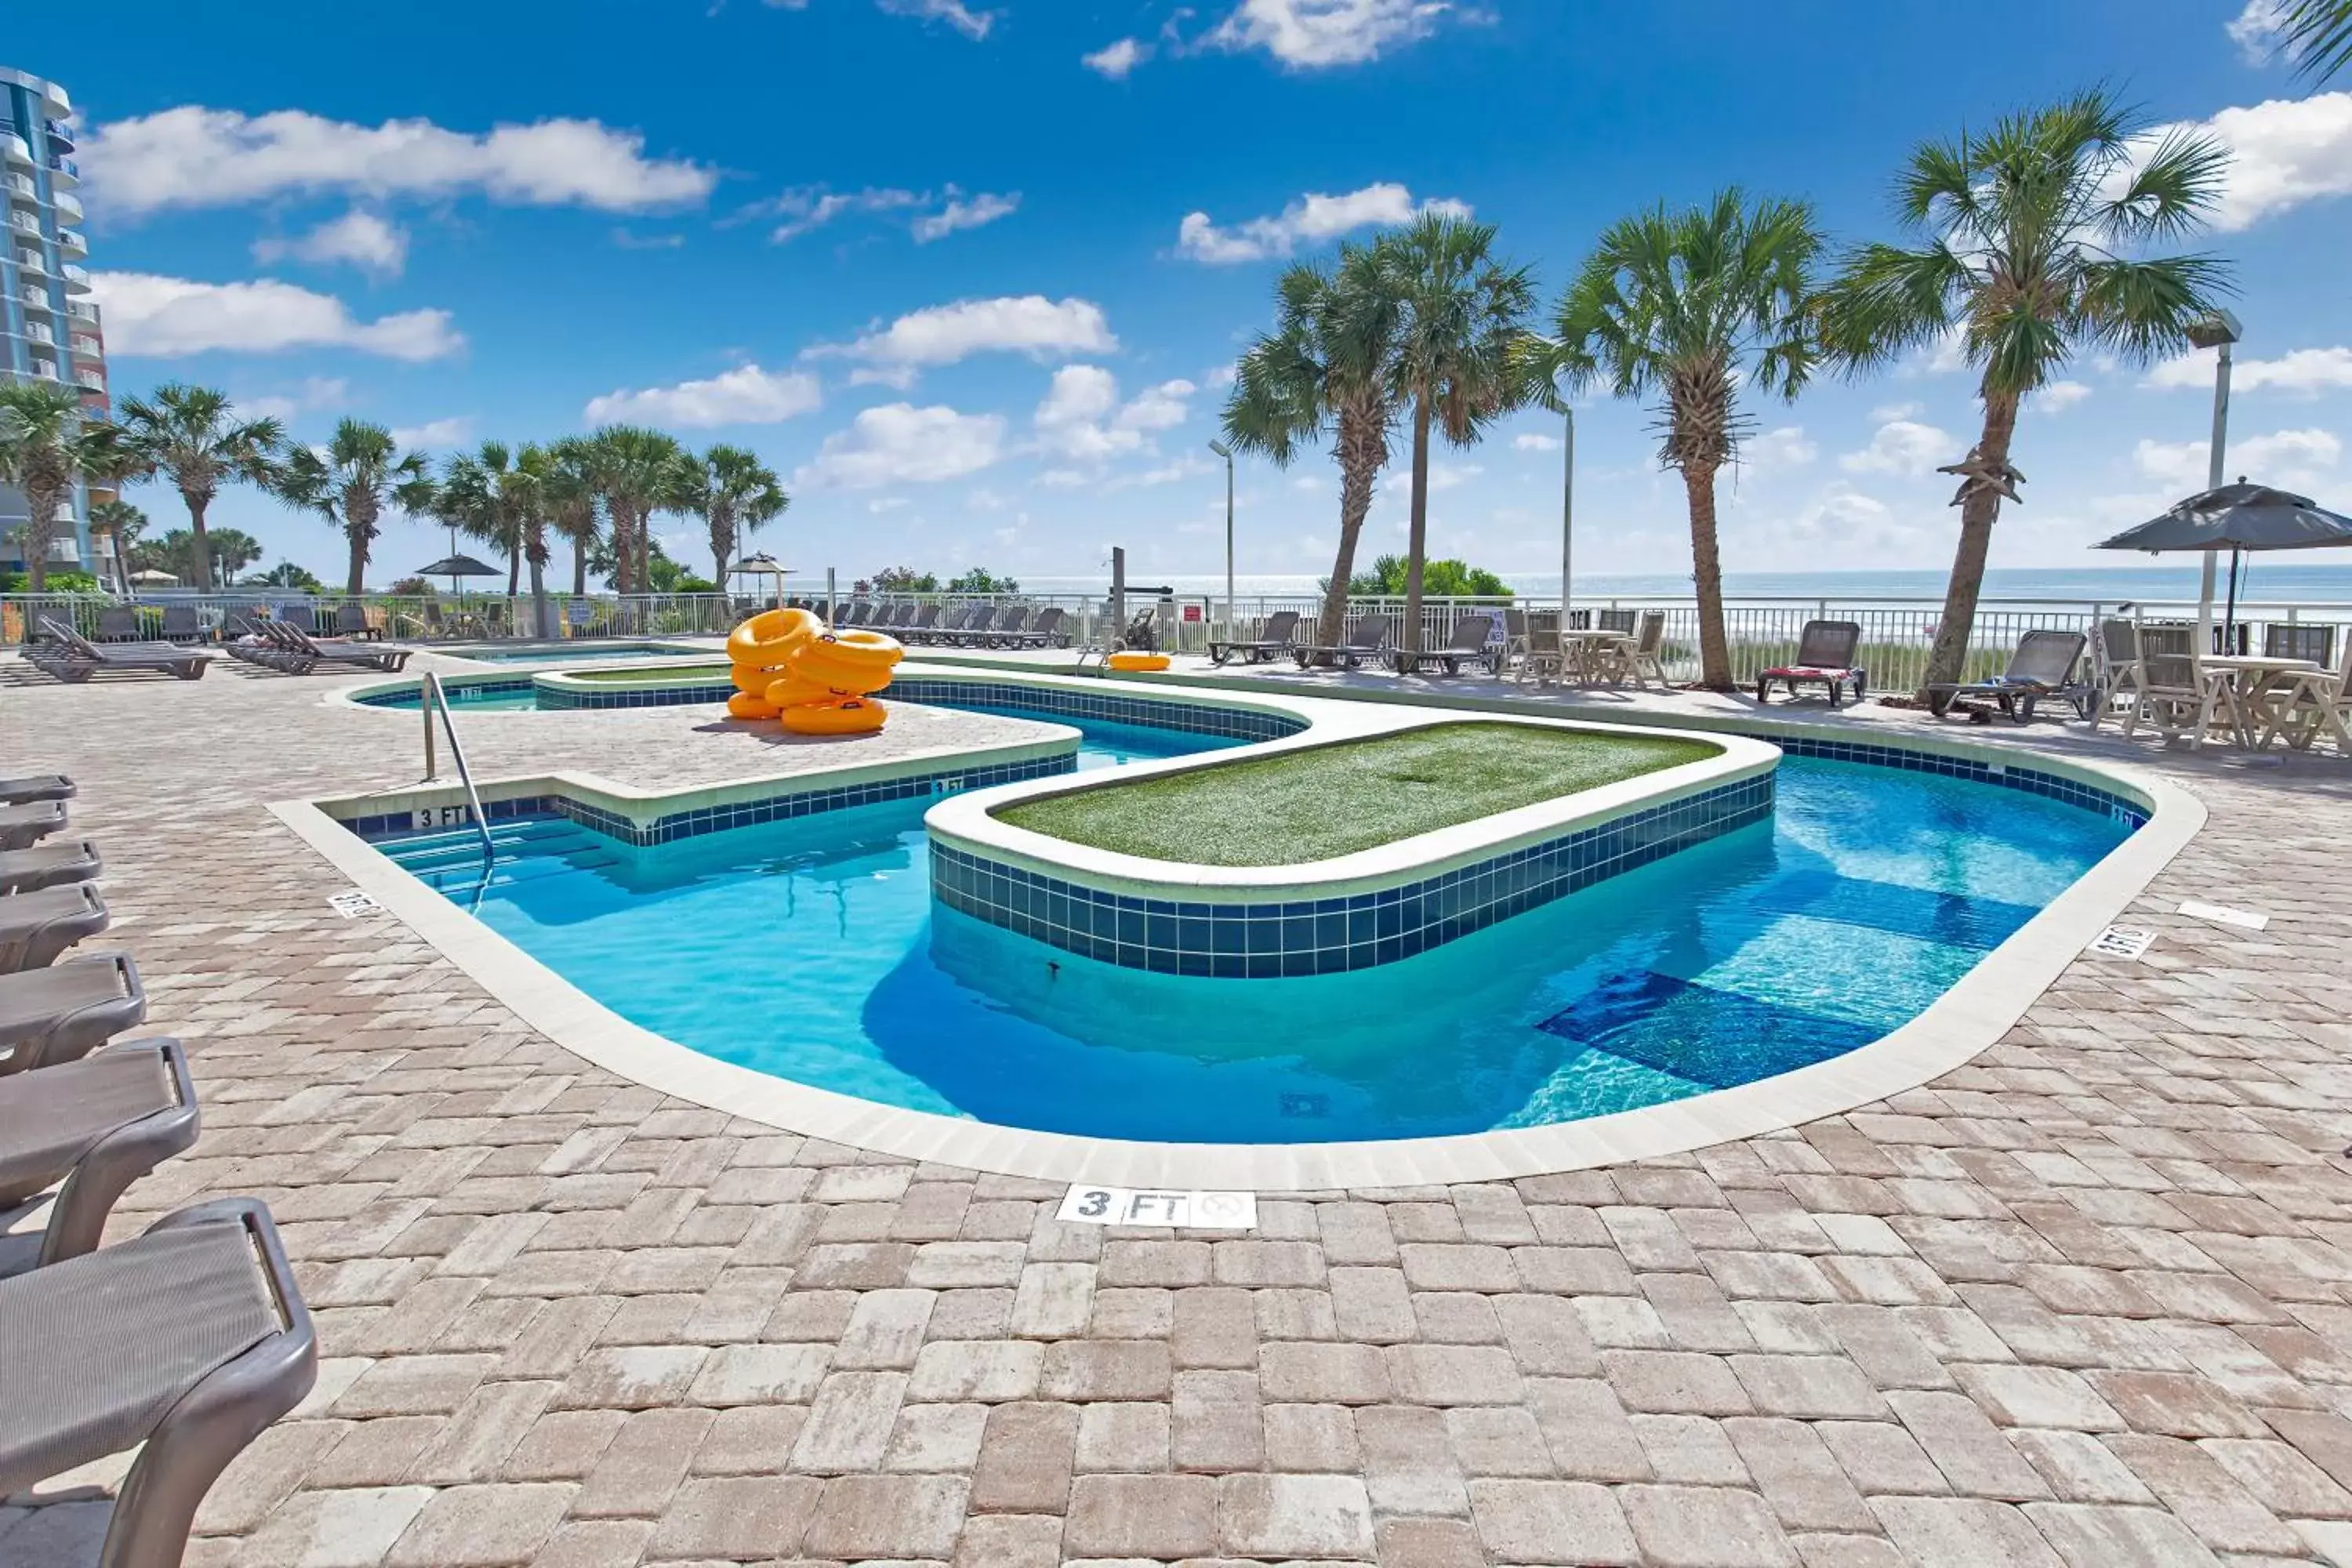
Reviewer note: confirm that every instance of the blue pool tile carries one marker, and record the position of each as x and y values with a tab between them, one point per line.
1700	1034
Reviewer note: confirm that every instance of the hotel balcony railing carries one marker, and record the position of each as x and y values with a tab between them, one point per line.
34	332
82	310
14	149
32	261
61	135
47	369
24	223
77	279
87	347
38	298
71	239
21	188
90	381
61	165
67	207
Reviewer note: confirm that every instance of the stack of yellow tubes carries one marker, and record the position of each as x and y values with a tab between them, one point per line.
789	667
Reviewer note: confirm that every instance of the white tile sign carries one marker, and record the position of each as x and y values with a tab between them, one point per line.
2228	917
353	904
1086	1205
2122	942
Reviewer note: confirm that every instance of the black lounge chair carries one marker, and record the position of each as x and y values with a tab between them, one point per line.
1468	642
1011	630
1825	658
36	786
1046	631
1272	641
237	624
1368	639
299	616
49	865
352	621
97	1125
35	927
2042	665
118	623
918	629
73	658
181	623
337	650
64	1012
973	633
22	826
186	1343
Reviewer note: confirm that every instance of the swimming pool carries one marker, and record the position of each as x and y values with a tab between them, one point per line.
583	654
812	949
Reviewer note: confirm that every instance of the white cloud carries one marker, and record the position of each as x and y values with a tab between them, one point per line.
2282	154
316	393
943	334
2304	370
197	157
812	206
1081	418
2060	396
375	247
899	443
984	207
1443	475
1315	33
1312	219
1887	412
454	431
1532	441
2256	30
1116	60
744	395
881	504
1844	519
2291	458
1779	449
1902	447
971	24
897	377
148	315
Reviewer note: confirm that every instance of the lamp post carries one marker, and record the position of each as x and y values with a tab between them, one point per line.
2219	331
1568	522
1221	451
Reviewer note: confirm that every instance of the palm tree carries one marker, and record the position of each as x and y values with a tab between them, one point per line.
480	496
124	522
1324	370
1459	361
1686	307
638	472
2032	240
187	435
567	493
47	446
736	494
349	482
2317	34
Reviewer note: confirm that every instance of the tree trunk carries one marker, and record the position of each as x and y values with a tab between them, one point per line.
1706	574
357	582
514	570
1417	542
1356	473
645	531
203	552
40	527
539	624
1948	657
623	556
579	567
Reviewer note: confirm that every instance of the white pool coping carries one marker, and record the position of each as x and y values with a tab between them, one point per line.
1970	1016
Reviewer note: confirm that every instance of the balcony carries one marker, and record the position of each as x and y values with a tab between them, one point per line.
62	136
77	279
71	241
13	149
47	369
23	192
37	333
89	348
68	209
90	381
24	223
31	261
35	299
64	173
82	310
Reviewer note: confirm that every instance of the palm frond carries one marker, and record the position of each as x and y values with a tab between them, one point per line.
2318	35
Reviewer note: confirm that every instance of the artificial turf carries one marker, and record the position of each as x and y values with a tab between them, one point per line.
1325	801
656	672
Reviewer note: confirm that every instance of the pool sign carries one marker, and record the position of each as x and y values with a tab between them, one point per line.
2122	942
1086	1205
353	904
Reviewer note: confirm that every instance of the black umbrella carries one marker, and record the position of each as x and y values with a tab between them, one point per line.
2237	518
456	566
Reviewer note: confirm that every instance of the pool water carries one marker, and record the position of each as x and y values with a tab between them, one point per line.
587	653
812	949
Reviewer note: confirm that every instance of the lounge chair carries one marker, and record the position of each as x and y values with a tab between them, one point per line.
1011	628
352	621
1046	631
182	625
64	1012
118	623
299	616
35	927
21	826
918	630
36	786
72	656
973	633
186	1343
2042	665
1366	638
1468	642
335	650
237	624
97	1125
1825	658
49	865
1272	640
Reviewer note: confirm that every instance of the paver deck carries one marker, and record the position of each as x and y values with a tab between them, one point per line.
2087	1301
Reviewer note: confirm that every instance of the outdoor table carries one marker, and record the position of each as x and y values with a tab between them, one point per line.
2245	680
1581	645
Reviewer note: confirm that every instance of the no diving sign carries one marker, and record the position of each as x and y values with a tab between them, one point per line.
1086	1205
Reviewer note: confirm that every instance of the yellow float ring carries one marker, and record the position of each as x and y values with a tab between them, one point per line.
851	718
857	646
751	677
751	705
1135	658
790	690
773	636
818	667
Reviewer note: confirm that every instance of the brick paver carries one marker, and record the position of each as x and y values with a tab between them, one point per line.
2087	1300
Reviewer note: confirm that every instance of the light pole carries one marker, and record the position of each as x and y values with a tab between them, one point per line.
2218	331
1221	451
1568	522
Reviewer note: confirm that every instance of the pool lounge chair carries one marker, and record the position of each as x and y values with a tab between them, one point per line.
97	1125
68	1010
1826	655
35	927
336	650
36	786
70	656
1272	640
973	633
1009	627
49	865
1467	642
2042	665
1046	631
118	623
352	621
1368	637
183	624
918	629
22	826
185	1342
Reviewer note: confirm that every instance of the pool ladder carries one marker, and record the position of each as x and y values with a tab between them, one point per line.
435	698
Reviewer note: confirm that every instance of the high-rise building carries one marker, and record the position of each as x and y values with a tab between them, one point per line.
48	326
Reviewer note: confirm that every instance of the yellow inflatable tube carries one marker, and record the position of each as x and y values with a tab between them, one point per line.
771	638
855	717
1135	658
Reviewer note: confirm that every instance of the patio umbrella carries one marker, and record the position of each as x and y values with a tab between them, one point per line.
456	566
761	566
2236	517
153	579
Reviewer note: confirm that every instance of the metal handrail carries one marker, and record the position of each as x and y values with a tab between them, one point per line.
436	697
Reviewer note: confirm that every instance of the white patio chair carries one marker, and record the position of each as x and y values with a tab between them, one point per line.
2306	706
2176	694
1643	655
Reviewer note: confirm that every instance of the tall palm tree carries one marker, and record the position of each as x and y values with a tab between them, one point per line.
567	493
46	445
638	471
480	496
2317	34
124	522
1459	361
189	434
349	482
1686	307
1324	371
736	494
2032	240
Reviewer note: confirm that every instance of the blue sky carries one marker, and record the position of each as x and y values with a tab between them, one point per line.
939	262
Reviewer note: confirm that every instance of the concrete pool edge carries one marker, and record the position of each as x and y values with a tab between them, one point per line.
1970	1017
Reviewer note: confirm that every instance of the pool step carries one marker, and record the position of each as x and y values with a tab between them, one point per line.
522	851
